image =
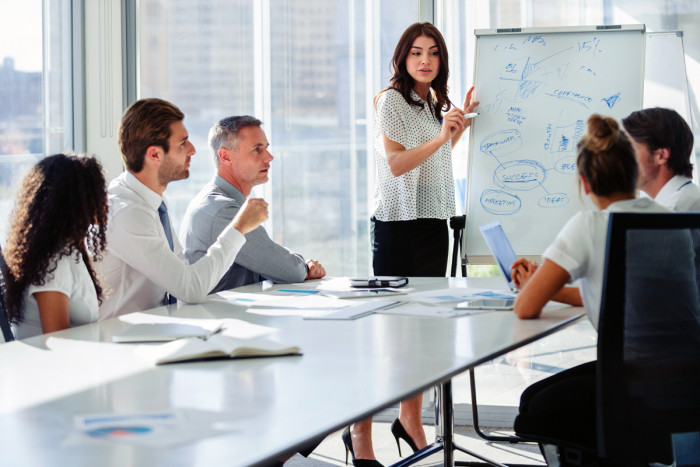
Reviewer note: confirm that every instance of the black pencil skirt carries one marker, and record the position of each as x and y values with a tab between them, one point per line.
416	248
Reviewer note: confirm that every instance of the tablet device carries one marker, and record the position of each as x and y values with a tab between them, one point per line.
379	281
501	249
503	304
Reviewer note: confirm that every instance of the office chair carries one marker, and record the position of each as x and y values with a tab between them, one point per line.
4	320
647	376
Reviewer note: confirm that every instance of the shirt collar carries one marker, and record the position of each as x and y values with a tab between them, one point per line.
672	186
151	198
415	96
228	189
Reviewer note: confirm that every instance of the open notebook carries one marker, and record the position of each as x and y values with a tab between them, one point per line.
216	346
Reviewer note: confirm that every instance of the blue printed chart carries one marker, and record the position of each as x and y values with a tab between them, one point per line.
537	89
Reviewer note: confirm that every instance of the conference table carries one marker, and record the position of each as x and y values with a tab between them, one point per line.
242	411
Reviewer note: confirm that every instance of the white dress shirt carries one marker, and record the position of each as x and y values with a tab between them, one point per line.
679	194
580	249
138	267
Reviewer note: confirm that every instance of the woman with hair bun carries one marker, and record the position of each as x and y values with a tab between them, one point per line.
58	222
607	172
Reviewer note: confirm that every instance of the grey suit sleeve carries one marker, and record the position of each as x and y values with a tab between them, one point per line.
259	254
270	260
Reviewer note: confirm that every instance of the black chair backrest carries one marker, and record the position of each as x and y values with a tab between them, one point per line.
4	319
649	336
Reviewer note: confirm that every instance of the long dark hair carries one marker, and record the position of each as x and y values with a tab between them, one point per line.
402	80
61	209
606	158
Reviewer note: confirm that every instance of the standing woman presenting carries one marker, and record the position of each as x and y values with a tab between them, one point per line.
416	127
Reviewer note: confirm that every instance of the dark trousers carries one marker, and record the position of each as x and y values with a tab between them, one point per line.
416	248
562	406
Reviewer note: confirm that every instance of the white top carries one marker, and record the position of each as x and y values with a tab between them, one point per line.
580	249
679	194
71	278
138	266
426	191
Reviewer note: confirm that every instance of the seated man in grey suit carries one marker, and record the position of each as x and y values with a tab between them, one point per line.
239	149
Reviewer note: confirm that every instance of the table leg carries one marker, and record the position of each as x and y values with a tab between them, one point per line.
445	428
444	433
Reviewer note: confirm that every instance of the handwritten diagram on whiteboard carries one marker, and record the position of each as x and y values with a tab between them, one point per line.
537	89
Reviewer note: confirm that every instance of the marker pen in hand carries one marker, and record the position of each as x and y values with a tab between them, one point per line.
471	115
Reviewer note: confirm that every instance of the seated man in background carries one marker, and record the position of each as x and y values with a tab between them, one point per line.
143	265
663	145
239	149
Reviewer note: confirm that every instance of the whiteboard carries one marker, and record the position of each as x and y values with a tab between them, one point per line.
537	88
665	81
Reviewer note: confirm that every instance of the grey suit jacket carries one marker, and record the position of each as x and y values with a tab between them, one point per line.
260	258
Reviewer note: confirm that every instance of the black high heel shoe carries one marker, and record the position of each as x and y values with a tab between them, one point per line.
347	441
399	431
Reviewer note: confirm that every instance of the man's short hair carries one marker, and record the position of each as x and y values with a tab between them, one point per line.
225	134
146	123
663	128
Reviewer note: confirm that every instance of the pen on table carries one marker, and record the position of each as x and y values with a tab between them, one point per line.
471	115
219	329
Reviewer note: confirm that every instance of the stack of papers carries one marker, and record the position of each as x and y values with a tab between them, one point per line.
362	293
162	332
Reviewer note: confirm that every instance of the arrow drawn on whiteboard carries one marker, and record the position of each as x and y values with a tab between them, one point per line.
612	100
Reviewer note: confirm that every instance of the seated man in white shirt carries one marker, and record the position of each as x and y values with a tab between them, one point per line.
663	145
144	265
242	160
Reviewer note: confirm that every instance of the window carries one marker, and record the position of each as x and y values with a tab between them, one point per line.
35	90
301	67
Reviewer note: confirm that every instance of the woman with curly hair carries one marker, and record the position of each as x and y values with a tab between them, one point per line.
60	213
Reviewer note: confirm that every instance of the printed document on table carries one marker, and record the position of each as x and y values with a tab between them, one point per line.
455	295
154	429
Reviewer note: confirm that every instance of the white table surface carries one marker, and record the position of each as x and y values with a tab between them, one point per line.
267	406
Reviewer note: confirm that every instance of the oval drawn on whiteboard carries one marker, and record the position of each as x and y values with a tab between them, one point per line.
566	165
501	143
553	200
500	202
519	175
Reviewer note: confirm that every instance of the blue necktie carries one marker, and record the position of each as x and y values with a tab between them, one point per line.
165	220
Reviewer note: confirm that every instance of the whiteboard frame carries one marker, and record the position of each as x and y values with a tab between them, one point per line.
488	259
